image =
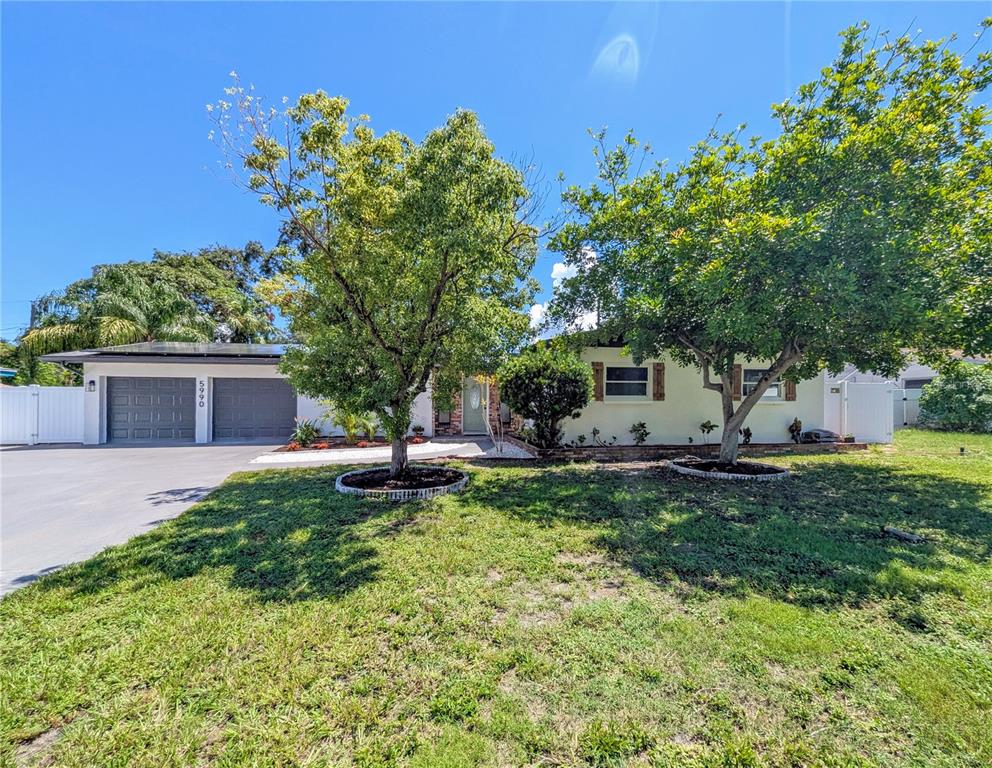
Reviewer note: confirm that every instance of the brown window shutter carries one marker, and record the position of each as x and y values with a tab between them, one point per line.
597	380
738	381
658	386
790	390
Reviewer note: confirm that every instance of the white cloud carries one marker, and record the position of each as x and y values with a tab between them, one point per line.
561	271
586	322
537	313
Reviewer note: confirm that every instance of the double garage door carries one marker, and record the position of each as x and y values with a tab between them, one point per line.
157	409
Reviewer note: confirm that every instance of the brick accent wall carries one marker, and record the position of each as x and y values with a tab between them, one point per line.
454	427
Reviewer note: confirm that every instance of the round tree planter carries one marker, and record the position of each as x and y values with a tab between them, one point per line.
403	494
687	469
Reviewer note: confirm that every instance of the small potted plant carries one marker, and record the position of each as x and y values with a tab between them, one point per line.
418	430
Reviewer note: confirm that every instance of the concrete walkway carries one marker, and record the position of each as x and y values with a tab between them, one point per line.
463	448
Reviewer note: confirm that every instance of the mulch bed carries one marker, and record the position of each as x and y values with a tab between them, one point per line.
414	479
740	468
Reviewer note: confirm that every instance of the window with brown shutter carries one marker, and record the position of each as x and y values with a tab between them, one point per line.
790	390
658	381
597	380
738	381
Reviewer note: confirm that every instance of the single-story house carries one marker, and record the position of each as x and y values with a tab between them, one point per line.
161	392
164	392
669	398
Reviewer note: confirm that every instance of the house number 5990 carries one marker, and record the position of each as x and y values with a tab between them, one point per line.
202	394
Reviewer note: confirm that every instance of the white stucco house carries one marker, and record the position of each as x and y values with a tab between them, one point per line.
165	392
670	400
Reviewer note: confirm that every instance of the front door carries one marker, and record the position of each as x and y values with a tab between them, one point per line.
473	407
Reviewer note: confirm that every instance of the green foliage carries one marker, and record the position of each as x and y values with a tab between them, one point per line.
368	424
305	432
118	305
31	370
639	431
861	230
547	385
349	423
959	399
174	297
610	743
496	626
413	259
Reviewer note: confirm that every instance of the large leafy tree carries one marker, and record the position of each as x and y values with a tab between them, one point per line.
414	257
860	231
118	305
202	296
222	282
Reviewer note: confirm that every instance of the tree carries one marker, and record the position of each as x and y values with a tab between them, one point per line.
32	370
960	398
414	257
117	305
858	232
222	283
547	385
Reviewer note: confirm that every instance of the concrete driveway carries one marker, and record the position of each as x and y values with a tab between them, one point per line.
62	504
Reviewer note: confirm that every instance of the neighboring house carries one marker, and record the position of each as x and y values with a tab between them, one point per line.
670	400
164	392
7	375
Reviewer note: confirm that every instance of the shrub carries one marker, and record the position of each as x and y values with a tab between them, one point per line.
959	399
305	432
639	430
368	424
350	424
546	385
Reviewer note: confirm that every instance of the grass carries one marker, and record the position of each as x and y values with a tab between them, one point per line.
565	615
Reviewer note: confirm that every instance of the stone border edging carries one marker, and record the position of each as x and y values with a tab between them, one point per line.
683	470
399	495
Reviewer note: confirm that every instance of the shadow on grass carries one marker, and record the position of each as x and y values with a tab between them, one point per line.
283	535
813	539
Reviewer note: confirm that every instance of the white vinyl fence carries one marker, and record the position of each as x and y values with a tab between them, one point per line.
906	406
863	409
30	415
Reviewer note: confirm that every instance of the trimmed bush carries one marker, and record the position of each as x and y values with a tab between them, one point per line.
960	399
546	385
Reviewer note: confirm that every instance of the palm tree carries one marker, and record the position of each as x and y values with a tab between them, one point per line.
116	306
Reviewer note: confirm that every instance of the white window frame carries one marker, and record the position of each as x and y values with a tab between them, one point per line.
626	398
775	392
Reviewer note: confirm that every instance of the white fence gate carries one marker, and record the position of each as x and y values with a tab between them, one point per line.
906	406
30	415
866	411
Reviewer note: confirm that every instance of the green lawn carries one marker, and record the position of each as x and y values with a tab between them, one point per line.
563	615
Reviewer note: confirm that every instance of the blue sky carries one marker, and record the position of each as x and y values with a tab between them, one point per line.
105	154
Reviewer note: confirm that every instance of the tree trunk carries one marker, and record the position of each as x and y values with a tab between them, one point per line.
730	439
397	465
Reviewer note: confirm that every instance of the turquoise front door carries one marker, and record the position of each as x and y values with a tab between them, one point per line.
473	407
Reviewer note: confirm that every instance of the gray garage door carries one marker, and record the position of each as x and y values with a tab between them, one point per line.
149	409
253	409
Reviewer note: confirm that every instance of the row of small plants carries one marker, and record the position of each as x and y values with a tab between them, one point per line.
639	432
360	430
